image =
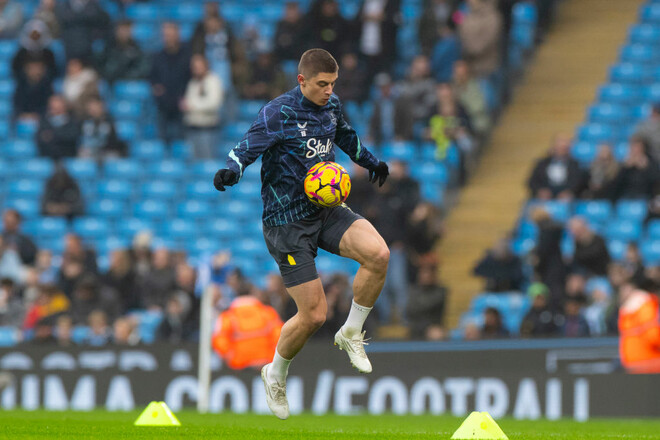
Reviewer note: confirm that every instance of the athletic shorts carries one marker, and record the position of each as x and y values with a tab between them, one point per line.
294	245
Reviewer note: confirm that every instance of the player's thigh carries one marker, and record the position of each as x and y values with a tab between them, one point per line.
310	299
362	242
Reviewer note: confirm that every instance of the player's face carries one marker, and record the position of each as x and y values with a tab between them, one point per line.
318	89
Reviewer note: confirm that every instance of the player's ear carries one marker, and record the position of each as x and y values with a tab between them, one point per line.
301	79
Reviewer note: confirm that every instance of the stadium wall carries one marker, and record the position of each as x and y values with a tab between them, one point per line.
550	379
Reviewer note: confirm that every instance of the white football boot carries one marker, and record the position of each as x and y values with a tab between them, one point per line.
275	395
354	347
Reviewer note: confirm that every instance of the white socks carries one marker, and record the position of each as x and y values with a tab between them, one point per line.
355	320
278	369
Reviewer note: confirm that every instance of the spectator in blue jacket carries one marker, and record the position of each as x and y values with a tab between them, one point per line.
82	22
444	54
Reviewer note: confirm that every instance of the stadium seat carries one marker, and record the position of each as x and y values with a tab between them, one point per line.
206	169
91	227
106	245
222	228
18	149
9	336
202	246
167	170
123	169
522	247
639	54
36	168
629	73
148	150
608	114
584	152
248	191
144	12
82	169
617	249
626	230
6	108
651	13
431	172
46	227
126	109
7	87
107	208
653	229
619	94
235	131
26	188
159	190
115	189
26	129
132	90
194	210
644	34
186	12
8	49
130	226
524	13
248	110
595	133
127	130
403	151
652	93
594	211
560	211
181	150
203	190
527	229
650	251
80	334
28	208
151	209
635	210
180	229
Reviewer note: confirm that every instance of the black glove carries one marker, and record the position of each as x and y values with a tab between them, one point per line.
379	173
224	177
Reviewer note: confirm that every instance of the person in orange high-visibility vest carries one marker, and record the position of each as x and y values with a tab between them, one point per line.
246	334
639	329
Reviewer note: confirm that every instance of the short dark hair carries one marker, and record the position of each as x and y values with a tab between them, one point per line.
315	61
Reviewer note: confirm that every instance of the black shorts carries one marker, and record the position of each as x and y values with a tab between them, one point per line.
294	245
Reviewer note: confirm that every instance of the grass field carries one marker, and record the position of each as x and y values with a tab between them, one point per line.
43	425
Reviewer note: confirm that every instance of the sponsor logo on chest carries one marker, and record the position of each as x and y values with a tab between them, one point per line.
318	148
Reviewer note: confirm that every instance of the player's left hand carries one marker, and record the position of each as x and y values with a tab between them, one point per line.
224	177
379	173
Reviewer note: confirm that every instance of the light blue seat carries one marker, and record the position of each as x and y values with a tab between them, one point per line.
80	334
18	149
432	192
144	12
644	34
123	169
126	109
205	170
8	49
626	230
190	12
223	228
653	229
27	207
7	87
236	130
159	190
127	130
608	114
522	247
5	129
180	229
403	151
148	150
632	209
650	251
617	249
82	169
151	209
194	209
584	152
431	172
167	169
248	110
203	190
115	189
629	73
595	133
650	13
524	13
527	229
91	227
652	93
132	90
46	227
26	189
9	336
252	173
146	35
619	93
6	108
107	208
522	36
128	227
639	54
248	191
107	245
594	211
558	210
38	168
203	246
26	129
181	150
235	209
53	244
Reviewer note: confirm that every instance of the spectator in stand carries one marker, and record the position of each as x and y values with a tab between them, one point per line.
265	80
34	42
352	84
557	175
14	239
426	303
653	209
639	174
214	40
378	21
445	53
10	264
58	133
501	269
63	331
62	196
77	262
600	306
451	125
290	35
176	325
469	95
160	282
539	321
493	327
80	85
170	73
141	255
572	323
575	290
363	197
327	28
591	255
547	258
46	13
480	32
89	295
432	23
649	132
50	302
201	107
100	333
603	172
417	98
122	278
82	22
339	296
123	59
11	18
424	229
125	332
99	140
12	310
633	263
389	120
33	89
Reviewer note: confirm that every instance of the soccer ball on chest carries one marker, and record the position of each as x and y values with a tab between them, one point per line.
327	184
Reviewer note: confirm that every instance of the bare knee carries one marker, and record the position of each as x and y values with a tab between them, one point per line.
313	320
378	259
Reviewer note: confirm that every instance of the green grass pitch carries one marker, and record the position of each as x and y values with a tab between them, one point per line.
44	425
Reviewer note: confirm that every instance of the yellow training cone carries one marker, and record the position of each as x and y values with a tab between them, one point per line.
157	414
479	425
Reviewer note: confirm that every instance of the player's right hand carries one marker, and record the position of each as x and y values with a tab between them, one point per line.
224	177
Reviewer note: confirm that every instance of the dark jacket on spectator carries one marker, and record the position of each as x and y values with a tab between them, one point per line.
99	138
63	190
635	183
397	201
57	137
539	322
34	50
426	305
172	71
157	287
574	327
549	263
81	26
126	287
388	31
23	244
32	97
592	257
540	178
501	274
290	40
126	62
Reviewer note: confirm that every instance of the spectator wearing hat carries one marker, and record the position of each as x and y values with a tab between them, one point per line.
539	321
34	41
649	131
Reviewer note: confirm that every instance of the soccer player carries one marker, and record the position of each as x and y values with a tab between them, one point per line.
293	132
